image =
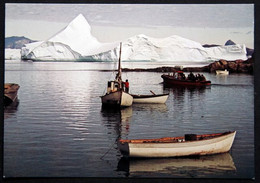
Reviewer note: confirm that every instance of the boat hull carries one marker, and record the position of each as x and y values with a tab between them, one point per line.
150	99
10	93
170	80
220	72
165	148
118	98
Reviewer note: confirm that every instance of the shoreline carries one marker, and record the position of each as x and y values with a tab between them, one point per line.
237	66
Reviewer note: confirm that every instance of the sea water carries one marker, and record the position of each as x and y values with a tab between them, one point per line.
57	128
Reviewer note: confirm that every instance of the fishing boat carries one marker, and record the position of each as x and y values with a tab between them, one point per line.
180	80
116	94
221	72
10	93
188	145
150	99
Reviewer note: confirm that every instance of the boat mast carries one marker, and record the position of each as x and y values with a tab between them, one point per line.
118	77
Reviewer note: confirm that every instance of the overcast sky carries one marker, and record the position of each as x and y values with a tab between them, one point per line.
196	22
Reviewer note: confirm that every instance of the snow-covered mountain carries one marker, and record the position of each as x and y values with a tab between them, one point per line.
76	42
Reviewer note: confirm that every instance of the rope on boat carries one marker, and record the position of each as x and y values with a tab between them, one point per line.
110	148
107	151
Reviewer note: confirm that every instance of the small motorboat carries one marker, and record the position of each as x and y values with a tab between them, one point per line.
188	145
221	72
150	99
180	79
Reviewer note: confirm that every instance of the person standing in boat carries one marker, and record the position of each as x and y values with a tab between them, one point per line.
126	83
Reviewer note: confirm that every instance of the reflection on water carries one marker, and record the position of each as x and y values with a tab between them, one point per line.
150	107
121	118
180	91
11	109
178	167
126	114
221	78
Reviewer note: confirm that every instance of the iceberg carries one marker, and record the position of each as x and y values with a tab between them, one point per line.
229	52
12	54
76	43
171	49
53	51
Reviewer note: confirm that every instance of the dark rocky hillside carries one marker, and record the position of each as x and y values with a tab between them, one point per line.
236	66
16	42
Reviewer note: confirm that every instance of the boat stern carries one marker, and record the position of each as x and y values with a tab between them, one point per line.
126	99
123	147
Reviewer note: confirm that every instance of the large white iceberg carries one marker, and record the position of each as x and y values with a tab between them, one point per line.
171	49
12	54
76	43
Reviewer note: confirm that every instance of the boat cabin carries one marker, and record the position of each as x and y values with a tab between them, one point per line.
112	86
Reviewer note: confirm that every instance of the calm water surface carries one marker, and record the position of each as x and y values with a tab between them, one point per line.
58	128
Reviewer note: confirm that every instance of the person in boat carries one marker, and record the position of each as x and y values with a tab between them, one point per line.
181	75
115	88
175	75
197	77
191	77
202	77
126	83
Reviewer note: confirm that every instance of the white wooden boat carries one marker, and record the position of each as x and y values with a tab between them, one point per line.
221	72
10	93
115	95
150	99
188	145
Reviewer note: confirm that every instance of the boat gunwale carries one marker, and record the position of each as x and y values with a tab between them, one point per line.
149	96
175	139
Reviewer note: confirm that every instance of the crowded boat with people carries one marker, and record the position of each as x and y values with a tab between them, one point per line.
179	78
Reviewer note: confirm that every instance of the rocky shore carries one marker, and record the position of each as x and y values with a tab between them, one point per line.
237	66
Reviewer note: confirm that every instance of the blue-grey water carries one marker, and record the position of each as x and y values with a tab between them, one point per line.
58	128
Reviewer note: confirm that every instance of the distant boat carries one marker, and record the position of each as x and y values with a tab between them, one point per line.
188	145
150	99
10	93
115	95
221	72
172	80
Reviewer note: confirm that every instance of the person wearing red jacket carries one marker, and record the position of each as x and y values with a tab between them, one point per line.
126	83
